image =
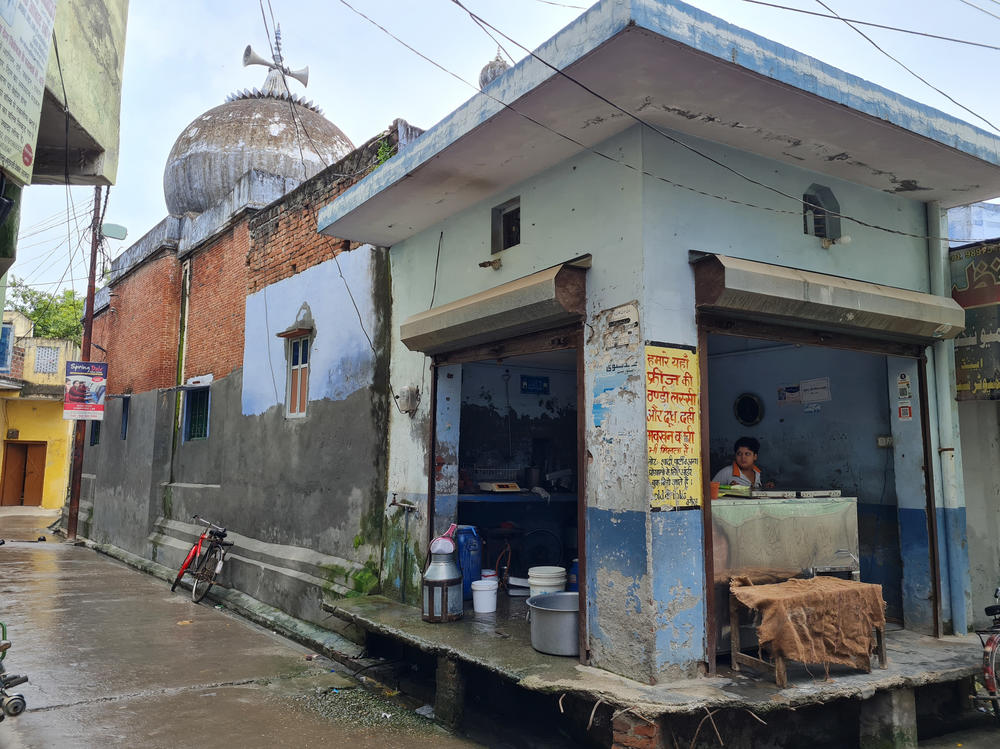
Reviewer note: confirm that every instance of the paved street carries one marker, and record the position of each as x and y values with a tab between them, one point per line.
115	659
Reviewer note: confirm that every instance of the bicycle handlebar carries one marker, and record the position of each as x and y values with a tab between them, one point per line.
208	523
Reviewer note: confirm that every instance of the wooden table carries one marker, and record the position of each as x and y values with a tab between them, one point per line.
779	667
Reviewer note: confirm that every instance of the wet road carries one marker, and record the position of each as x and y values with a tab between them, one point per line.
116	660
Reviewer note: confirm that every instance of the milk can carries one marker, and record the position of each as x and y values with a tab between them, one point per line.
442	589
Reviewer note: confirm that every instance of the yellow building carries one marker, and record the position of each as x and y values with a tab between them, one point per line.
38	442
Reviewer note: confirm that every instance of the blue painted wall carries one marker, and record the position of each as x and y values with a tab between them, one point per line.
342	359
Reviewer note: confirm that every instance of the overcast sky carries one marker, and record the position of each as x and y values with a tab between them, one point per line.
183	57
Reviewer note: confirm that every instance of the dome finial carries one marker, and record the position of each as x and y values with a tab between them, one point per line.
492	70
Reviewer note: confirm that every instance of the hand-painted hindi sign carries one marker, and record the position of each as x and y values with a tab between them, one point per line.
25	38
673	427
976	286
86	384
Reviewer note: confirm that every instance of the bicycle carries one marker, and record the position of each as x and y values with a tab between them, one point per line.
990	638
207	565
10	704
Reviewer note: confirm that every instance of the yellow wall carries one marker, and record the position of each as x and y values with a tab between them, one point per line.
42	421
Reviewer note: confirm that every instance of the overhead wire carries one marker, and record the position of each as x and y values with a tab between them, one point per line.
983	10
913	32
625	164
907	68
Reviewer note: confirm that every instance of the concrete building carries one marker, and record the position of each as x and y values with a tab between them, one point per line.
37	441
247	361
700	218
80	46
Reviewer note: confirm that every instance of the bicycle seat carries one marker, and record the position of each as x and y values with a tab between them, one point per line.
993	610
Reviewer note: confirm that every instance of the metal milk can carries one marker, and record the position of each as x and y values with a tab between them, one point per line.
442	590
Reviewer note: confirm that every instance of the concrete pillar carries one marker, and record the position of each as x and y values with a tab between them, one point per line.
449	697
889	721
632	732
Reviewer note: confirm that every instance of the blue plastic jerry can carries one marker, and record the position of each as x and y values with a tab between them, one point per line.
470	557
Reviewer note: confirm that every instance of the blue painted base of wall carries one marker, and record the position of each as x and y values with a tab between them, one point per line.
914	550
878	533
618	555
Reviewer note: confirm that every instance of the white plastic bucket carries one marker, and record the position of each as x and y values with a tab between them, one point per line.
484	596
546	580
488	575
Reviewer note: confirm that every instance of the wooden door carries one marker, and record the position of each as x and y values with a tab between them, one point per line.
14	460
34	475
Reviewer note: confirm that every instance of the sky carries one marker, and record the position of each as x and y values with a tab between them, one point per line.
183	57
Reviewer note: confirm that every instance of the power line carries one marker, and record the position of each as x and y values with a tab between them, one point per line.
907	69
876	25
860	222
983	10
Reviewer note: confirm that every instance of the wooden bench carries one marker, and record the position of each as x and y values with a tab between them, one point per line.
779	666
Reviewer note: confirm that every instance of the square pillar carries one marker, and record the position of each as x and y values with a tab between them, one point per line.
889	721
449	696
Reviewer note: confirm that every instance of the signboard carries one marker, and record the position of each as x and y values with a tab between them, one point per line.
86	384
975	278
25	37
673	427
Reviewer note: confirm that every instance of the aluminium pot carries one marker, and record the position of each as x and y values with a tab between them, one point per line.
554	623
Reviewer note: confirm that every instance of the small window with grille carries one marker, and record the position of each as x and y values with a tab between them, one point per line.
196	405
46	359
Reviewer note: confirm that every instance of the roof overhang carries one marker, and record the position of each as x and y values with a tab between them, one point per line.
773	293
547	299
683	70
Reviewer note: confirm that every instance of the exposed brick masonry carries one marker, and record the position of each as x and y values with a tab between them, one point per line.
139	328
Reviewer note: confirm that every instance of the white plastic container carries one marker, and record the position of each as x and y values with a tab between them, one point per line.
488	575
484	596
546	580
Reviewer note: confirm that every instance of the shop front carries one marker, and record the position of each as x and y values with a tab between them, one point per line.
827	379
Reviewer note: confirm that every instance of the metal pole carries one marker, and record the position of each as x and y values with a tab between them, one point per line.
88	325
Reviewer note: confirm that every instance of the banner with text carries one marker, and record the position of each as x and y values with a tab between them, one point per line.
86	384
975	279
673	427
25	38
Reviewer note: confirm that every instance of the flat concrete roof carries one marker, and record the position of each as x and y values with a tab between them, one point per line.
682	70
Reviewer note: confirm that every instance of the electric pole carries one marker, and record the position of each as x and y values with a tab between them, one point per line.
88	324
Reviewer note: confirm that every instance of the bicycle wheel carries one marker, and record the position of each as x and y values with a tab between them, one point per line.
990	660
183	569
204	576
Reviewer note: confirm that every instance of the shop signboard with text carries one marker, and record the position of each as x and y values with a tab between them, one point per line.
25	39
975	278
86	385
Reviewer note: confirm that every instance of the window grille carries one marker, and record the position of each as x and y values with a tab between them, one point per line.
196	414
6	347
46	359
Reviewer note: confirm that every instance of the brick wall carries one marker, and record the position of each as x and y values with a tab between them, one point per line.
140	328
217	304
17	363
283	236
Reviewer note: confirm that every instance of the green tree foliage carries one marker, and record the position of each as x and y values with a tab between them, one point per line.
55	315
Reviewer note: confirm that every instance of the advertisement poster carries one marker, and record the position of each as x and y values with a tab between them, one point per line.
673	427
86	384
25	36
976	286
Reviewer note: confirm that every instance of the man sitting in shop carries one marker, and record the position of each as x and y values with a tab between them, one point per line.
744	470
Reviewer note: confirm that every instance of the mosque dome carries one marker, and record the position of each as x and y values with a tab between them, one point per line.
267	129
492	70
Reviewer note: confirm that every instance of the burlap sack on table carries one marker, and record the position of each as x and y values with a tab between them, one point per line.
819	620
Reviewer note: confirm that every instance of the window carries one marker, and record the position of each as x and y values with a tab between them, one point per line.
821	213
46	359
126	402
95	433
297	390
6	346
196	402
506	226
